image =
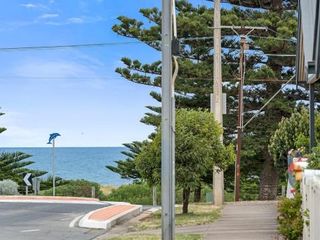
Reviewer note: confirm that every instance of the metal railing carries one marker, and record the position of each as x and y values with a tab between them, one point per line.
310	189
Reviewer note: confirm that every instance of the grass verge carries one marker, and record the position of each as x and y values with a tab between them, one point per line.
157	237
199	214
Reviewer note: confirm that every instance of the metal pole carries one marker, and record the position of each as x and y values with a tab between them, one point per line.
216	105
167	126
240	120
27	190
53	170
311	117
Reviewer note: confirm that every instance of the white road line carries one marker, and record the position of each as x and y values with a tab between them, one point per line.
30	230
74	221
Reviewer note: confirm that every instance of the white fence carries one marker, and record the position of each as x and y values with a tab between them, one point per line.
310	188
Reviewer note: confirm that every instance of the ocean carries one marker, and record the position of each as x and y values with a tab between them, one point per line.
77	163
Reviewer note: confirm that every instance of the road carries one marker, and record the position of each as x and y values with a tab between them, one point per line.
39	221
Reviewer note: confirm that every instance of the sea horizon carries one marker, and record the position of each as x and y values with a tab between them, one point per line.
76	162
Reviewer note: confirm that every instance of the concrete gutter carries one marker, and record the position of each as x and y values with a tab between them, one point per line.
107	217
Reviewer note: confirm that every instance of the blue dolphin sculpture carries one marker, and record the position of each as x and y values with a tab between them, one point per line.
53	136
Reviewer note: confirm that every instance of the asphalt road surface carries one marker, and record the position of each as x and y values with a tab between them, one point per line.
44	221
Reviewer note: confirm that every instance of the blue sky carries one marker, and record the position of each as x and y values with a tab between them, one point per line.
73	91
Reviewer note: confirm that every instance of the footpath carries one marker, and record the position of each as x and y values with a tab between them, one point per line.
254	220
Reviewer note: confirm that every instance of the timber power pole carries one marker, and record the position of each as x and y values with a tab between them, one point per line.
216	102
242	67
240	117
167	126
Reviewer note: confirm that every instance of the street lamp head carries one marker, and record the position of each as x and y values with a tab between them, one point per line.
52	137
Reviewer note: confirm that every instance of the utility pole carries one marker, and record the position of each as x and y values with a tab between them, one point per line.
216	104
242	66
240	116
167	126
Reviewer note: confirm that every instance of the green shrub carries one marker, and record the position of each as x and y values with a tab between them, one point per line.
132	193
76	188
8	187
140	193
46	183
314	158
290	217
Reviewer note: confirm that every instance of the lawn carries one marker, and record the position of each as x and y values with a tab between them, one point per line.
156	237
199	214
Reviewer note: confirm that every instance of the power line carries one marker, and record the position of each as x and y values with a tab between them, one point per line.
274	95
120	78
84	45
274	38
104	44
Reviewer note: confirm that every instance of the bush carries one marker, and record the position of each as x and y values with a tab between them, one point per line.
76	188
314	158
133	193
8	187
141	193
46	183
290	217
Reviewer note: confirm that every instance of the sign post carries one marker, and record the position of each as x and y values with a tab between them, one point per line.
27	178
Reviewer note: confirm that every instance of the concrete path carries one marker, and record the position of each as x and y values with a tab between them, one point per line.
241	221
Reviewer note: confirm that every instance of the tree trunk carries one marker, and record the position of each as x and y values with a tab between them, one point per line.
154	196
268	181
197	194
185	200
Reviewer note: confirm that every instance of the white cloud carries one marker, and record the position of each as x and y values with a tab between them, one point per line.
62	73
29	5
33	6
75	20
49	15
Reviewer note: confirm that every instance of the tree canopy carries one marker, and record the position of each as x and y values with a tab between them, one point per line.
292	133
198	148
266	71
13	165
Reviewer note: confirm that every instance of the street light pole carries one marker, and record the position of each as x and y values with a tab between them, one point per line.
53	170
167	126
52	138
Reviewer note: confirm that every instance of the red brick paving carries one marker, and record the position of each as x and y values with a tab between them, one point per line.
109	212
